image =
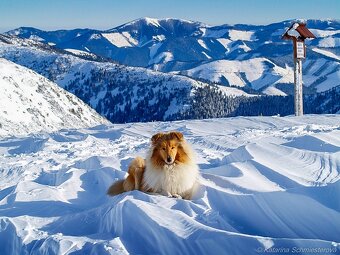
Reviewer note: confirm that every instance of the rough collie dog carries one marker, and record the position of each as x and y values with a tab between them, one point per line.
169	169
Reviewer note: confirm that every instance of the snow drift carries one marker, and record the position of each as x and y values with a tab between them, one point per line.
268	185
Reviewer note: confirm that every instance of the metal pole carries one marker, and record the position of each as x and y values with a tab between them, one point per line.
298	99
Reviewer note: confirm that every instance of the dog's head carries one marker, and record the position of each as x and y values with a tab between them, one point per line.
167	148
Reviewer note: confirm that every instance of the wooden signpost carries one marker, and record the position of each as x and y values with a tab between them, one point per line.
298	33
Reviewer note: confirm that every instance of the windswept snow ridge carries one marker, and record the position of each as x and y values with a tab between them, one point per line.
268	184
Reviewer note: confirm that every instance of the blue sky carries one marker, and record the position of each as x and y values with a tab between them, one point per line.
104	14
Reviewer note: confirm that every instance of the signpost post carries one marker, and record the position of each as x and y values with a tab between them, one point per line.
298	33
299	49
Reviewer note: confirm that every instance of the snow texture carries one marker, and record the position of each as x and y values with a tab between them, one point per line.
117	39
241	35
240	73
30	103
268	184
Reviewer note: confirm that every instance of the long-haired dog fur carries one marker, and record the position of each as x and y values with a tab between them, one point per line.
169	169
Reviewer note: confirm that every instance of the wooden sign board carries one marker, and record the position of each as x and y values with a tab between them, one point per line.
299	49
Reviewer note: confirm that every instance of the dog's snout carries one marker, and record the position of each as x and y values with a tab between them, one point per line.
169	159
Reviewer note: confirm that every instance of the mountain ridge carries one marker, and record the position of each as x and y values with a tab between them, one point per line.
186	47
135	94
120	93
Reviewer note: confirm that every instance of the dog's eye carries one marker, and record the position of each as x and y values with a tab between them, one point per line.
172	148
163	149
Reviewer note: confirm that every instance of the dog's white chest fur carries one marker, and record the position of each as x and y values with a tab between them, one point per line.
177	179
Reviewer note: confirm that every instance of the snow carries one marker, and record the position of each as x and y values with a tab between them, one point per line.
36	38
241	35
117	39
95	37
159	38
225	42
261	73
153	50
172	109
151	21
245	47
334	78
292	31
79	52
202	43
213	33
206	55
323	33
273	91
128	36
214	70
329	42
267	183
162	57
326	53
254	69
30	103
230	91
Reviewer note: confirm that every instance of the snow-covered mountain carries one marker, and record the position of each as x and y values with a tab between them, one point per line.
29	103
236	55
120	93
269	185
50	37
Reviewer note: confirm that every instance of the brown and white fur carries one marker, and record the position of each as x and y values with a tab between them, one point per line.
169	169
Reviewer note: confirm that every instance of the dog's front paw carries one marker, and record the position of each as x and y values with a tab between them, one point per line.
177	196
168	194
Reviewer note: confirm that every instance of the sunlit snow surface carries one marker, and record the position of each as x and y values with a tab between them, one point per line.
267	183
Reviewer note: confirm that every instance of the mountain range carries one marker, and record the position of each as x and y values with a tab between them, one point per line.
120	93
248	56
124	93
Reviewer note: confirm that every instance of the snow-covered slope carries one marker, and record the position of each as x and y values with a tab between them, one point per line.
269	185
256	73
31	103
188	47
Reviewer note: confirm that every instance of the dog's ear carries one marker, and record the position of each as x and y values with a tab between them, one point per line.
177	135
155	138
